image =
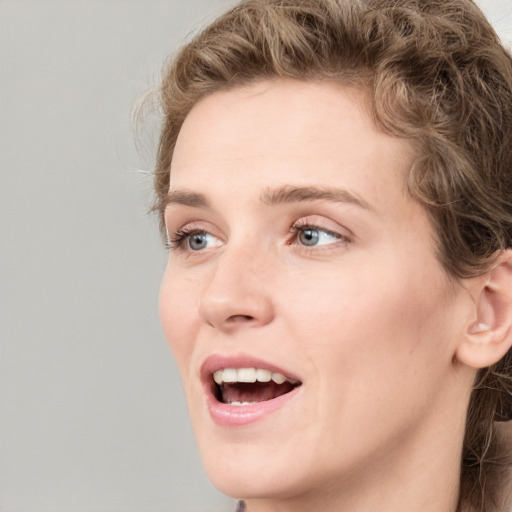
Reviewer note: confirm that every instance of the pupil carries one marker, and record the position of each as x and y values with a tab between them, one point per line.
309	237
197	241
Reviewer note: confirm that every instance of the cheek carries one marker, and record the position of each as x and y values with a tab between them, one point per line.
178	316
364	328
377	349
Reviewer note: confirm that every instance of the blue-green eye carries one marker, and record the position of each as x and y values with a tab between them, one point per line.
192	240
198	241
311	236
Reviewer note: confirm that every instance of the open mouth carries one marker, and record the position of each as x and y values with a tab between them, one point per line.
247	386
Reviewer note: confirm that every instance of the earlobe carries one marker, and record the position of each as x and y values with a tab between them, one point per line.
488	336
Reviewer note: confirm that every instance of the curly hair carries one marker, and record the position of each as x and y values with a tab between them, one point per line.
437	75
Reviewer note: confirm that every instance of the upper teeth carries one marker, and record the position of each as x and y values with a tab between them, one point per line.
248	375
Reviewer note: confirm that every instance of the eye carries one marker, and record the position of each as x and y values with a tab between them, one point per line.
192	240
312	236
198	241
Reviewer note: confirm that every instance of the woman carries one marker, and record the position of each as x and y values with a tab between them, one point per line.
334	180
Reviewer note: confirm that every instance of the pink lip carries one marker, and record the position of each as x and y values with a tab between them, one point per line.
231	415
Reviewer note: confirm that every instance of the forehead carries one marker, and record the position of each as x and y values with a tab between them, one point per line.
288	132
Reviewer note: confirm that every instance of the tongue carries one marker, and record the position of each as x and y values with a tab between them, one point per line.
253	392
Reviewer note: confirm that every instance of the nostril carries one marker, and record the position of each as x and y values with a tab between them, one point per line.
240	318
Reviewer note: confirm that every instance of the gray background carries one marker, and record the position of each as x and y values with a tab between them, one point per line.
92	417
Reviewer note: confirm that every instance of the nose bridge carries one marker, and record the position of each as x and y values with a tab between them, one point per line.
235	293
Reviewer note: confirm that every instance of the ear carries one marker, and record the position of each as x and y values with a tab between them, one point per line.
488	335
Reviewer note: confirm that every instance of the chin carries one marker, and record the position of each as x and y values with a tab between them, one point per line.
240	480
250	464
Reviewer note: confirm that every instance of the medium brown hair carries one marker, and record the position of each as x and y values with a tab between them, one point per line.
436	75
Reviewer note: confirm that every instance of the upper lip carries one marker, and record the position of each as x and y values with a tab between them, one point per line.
216	362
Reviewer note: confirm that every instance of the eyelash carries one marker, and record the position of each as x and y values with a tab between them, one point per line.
178	239
303	225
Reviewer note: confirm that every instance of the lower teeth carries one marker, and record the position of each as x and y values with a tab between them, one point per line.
241	403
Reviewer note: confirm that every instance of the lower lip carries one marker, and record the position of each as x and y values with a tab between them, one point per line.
226	415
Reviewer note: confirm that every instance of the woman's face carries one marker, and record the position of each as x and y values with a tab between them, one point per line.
297	254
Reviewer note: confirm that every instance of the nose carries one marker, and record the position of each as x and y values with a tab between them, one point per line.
236	295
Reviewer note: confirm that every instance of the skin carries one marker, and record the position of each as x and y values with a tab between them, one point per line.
367	318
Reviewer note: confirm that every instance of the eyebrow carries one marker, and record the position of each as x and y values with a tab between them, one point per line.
185	197
291	194
274	196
